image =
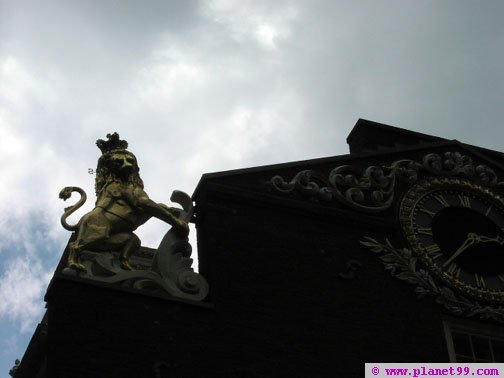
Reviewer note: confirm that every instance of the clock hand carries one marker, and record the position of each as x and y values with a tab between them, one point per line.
497	239
470	240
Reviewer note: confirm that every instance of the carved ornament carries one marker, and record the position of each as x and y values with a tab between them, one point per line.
402	264
371	189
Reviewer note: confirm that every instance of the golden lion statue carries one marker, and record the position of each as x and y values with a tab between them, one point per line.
121	207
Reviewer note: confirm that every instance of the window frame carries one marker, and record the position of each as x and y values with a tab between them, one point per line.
488	331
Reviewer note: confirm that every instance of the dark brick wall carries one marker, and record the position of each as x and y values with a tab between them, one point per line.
100	332
274	275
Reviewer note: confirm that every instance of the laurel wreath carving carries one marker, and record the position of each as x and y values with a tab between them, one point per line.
402	264
372	189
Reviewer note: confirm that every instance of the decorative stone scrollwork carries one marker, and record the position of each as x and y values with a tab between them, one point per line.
402	264
455	164
307	182
372	189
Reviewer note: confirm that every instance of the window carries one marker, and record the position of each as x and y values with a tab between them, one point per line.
471	342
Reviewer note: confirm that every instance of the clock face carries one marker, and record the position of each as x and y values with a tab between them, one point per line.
456	228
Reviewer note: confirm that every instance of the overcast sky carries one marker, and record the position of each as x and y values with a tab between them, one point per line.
203	86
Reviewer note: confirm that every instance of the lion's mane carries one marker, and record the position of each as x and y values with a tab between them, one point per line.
105	176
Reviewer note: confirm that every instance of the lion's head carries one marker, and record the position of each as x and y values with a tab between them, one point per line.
118	165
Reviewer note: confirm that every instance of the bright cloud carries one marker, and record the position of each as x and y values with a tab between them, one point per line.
265	22
18	86
164	82
13	148
23	188
245	133
15	83
266	35
21	288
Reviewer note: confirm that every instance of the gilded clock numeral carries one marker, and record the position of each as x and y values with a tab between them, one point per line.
454	270
433	248
464	200
427	211
433	251
480	281
442	200
425	230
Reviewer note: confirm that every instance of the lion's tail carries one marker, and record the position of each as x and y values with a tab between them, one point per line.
64	195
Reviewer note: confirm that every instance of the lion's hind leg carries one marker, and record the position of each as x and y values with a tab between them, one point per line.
123	242
80	244
73	258
130	246
94	229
